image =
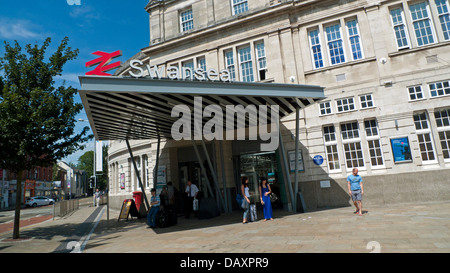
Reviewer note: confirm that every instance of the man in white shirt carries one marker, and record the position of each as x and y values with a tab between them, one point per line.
191	191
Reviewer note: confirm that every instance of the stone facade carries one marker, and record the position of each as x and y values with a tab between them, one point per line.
384	66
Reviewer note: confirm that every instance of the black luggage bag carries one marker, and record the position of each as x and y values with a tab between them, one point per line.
162	219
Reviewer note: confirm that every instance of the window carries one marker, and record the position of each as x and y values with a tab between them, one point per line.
316	48
331	148
439	89
422	23
229	63
325	108
443	126
415	92
424	137
400	30
366	101
349	131
345	105
239	6
352	145
147	171
201	63
335	45
186	20
354	39
261	61
444	17
246	65
188	69
373	141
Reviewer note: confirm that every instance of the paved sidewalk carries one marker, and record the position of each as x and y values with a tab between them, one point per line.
406	228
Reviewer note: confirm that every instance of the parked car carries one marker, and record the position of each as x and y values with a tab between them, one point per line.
39	201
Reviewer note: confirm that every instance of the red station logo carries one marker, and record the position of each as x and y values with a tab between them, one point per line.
102	63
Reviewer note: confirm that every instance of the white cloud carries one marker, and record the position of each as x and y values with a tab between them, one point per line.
84	11
17	29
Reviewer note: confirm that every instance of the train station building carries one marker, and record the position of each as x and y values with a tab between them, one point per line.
362	84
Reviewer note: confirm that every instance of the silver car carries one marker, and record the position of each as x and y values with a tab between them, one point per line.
39	201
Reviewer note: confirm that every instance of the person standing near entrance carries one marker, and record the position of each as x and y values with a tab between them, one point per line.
191	191
246	202
356	190
264	192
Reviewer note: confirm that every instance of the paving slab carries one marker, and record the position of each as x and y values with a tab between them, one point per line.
401	228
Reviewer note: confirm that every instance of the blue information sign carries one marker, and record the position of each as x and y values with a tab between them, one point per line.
318	160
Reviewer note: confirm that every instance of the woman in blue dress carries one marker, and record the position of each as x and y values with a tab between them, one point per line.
264	192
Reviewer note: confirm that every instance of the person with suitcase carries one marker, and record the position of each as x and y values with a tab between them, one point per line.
155	203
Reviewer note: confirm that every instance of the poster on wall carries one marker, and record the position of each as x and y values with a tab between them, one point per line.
161	178
122	181
291	155
401	149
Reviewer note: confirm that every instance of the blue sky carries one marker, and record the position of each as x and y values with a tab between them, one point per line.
106	25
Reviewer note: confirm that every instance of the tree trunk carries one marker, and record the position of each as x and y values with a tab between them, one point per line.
18	202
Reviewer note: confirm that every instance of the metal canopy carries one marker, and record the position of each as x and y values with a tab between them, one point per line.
121	108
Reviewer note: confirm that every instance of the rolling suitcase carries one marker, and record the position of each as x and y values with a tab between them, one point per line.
253	216
162	219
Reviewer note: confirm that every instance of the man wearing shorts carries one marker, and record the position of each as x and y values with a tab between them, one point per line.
356	190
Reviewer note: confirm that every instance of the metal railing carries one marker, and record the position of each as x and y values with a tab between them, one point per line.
63	208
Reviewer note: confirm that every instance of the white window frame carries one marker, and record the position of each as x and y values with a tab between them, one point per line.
367	101
260	52
147	171
247	61
332	143
425	131
442	13
358	35
235	5
415	92
444	88
350	141
312	45
374	137
188	64
189	22
444	129
325	108
230	63
429	18
341	39
348	103
405	27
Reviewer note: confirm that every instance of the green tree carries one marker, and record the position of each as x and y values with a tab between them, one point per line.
86	162
37	119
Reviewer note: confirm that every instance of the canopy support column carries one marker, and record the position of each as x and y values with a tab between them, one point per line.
297	140
208	185
137	174
222	165
286	171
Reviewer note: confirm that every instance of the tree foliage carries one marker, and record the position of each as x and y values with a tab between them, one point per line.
37	119
86	163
